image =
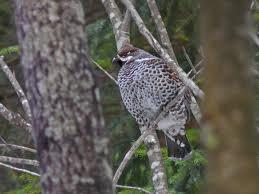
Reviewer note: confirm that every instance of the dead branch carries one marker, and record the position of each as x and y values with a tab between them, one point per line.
134	188
188	59
106	73
128	156
19	169
160	27
14	118
124	37
115	17
23	148
197	74
125	29
13	160
196	67
18	89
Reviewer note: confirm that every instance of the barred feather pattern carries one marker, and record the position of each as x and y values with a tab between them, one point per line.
146	84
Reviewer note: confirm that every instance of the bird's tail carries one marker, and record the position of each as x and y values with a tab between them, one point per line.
178	147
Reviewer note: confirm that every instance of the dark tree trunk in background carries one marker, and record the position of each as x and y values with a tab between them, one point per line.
67	119
229	108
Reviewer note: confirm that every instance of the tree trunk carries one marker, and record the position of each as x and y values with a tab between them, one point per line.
230	99
68	125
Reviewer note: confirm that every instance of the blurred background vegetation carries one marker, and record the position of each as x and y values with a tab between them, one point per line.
181	20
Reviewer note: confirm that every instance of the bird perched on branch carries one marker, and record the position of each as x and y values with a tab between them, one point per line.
148	84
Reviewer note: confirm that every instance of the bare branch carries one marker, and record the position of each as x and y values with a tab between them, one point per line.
114	14
14	118
13	160
197	74
120	27
128	156
155	44
102	69
134	188
124	37
19	169
18	89
5	143
189	60
125	29
196	67
160	27
19	147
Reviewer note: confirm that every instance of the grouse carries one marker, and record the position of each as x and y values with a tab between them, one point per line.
147	84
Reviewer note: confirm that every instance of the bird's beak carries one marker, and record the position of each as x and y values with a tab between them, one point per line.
117	61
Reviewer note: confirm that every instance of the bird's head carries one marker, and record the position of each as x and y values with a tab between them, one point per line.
125	54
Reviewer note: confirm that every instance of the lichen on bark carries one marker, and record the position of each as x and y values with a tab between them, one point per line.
68	126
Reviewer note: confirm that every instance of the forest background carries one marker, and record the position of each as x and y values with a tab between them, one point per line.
181	18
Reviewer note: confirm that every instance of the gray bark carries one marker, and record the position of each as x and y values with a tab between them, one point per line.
68	125
156	162
230	99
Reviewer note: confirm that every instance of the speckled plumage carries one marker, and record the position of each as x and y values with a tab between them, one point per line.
147	83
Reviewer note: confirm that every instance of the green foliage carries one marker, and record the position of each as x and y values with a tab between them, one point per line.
9	50
30	185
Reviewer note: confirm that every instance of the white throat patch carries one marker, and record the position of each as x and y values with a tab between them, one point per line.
125	59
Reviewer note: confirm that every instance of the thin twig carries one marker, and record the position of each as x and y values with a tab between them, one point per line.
128	156
19	147
19	169
196	67
197	74
188	59
18	89
14	118
134	188
109	75
5	143
13	160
